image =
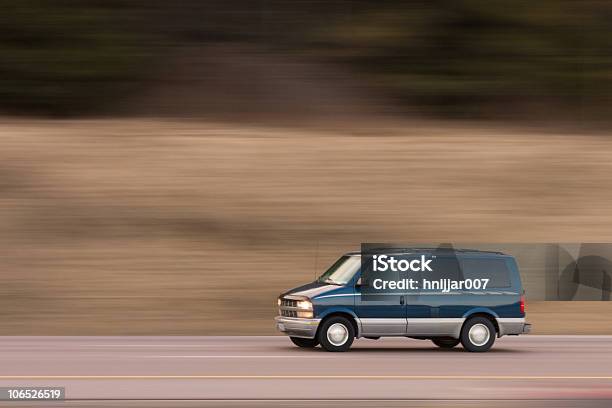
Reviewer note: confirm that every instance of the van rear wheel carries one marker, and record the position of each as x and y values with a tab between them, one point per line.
478	334
305	343
445	342
336	334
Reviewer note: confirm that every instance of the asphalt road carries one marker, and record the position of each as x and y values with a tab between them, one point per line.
254	370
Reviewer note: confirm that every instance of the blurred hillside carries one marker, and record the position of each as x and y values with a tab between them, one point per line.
185	227
457	59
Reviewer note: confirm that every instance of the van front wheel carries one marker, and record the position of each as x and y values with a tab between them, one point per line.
304	343
336	334
478	334
445	342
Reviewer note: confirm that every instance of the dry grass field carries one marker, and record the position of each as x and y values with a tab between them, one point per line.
183	227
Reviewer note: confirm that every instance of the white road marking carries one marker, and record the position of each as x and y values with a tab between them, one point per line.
165	345
235	356
306	377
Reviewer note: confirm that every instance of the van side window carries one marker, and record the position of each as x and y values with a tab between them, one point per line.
494	269
444	267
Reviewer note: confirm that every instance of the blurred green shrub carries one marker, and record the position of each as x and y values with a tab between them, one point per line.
69	57
469	57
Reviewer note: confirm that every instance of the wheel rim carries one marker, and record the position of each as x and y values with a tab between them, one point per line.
479	334
337	334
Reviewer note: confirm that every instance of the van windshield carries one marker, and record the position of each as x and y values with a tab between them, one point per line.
342	271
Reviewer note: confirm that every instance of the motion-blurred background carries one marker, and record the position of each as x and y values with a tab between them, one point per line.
171	167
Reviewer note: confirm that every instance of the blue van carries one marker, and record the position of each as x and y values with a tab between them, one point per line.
459	308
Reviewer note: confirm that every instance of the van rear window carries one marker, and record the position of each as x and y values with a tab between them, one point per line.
494	269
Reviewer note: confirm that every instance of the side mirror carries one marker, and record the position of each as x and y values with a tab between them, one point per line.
361	284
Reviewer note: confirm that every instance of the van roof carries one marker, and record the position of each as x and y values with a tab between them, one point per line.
392	250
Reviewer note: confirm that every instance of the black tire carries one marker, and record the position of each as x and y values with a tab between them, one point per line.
332	329
305	343
445	342
478	334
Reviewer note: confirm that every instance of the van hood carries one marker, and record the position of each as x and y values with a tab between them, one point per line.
312	290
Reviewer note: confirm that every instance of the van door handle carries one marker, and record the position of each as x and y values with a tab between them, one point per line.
401	300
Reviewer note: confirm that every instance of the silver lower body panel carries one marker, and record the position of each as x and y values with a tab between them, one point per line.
433	327
375	327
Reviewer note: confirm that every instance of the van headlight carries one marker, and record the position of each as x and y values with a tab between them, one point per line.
304	309
304	305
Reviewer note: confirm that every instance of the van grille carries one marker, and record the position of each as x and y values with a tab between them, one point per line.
288	313
288	307
288	303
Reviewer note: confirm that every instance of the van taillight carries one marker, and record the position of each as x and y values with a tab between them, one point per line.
523	304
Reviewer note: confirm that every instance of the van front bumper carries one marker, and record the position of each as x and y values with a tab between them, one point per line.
297	327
